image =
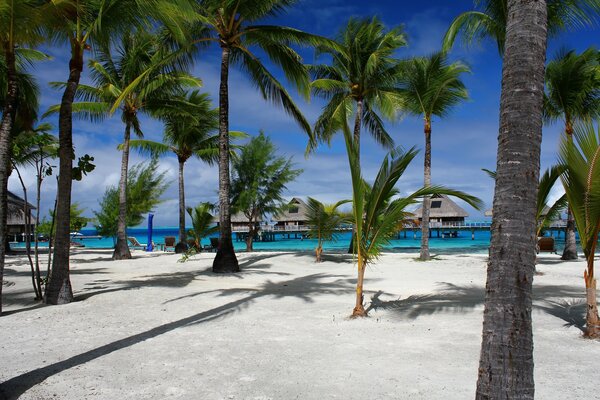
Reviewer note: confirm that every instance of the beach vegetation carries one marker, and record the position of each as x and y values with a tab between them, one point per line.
572	94
430	86
579	156
144	190
258	178
489	20
190	131
325	221
235	27
202	224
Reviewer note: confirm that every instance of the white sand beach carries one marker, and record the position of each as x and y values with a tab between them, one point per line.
153	328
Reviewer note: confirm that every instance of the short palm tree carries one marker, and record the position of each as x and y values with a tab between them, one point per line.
362	77
79	25
189	132
431	86
377	211
202	223
137	80
324	221
489	20
581	180
572	93
234	27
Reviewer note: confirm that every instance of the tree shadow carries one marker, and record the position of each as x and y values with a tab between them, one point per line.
460	299
303	288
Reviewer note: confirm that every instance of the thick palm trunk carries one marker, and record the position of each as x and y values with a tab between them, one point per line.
8	118
506	359
58	289
182	246
359	308
121	247
591	317
427	200
357	124
225	261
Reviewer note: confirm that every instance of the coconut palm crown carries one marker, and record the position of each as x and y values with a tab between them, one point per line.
362	77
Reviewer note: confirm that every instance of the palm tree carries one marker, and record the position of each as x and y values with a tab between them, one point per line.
490	20
79	25
232	25
362	77
202	223
581	180
258	180
506	359
572	93
188	133
324	221
137	80
378	215
20	27
430	86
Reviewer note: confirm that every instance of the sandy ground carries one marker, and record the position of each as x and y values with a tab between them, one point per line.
153	328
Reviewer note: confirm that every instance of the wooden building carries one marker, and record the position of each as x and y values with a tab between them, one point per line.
15	221
294	218
443	213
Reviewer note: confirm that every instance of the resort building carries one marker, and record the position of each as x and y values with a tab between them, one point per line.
294	218
15	221
443	213
239	222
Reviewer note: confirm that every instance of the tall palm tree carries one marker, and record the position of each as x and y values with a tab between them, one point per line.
324	221
431	86
506	359
188	133
80	25
362	77
489	20
572	93
136	79
378	212
581	180
233	25
20	27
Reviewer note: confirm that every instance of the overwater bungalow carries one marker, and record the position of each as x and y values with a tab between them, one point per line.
294	218
15	221
443	213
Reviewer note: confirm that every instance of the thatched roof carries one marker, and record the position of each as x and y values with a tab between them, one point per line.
442	207
296	211
15	206
237	218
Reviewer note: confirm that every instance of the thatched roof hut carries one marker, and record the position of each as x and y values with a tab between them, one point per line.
443	210
15	220
294	215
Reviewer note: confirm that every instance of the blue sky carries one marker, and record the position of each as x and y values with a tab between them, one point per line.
462	143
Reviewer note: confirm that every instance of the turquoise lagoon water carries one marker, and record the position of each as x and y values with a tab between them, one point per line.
461	244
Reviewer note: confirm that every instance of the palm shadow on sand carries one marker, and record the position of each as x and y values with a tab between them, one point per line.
304	288
564	302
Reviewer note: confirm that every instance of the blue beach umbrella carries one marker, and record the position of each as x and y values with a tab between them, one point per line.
149	246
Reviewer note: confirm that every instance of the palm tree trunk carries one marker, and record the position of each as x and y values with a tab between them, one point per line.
225	261
427	200
250	238
121	247
359	308
8	118
506	359
182	246
38	197
591	317
357	124
570	250
58	289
